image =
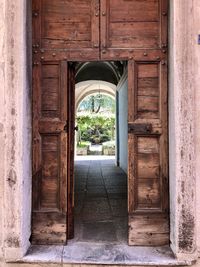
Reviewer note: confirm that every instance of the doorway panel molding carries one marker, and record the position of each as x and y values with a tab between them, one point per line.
16	142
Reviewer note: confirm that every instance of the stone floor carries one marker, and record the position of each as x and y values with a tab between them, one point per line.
100	201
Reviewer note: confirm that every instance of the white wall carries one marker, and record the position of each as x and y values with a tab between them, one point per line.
123	122
2	115
197	113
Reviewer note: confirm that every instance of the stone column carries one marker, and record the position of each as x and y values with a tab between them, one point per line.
181	129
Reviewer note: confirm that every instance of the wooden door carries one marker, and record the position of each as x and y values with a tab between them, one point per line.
127	26
51	126
148	205
63	28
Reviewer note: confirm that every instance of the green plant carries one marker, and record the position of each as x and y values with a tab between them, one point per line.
95	128
83	144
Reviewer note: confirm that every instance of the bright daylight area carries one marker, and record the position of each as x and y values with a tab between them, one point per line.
95	119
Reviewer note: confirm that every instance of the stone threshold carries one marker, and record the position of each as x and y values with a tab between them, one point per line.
102	254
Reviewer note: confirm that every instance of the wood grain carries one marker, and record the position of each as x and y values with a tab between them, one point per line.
148	157
151	230
50	180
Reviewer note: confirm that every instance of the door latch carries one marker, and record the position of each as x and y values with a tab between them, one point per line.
140	128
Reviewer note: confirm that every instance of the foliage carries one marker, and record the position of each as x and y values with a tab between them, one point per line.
97	103
95	128
83	144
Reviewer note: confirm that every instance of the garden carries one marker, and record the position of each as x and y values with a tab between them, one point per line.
96	126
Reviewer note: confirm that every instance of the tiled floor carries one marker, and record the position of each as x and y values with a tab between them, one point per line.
100	202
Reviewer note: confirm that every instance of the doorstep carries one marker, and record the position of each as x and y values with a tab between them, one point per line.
102	254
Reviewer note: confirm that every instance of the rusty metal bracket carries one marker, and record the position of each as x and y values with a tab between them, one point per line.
140	128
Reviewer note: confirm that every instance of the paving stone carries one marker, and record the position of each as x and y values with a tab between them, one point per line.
119	207
96	210
99	231
94	181
96	191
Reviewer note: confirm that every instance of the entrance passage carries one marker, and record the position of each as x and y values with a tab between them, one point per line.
100	200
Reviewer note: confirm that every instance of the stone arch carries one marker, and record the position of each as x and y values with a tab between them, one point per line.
86	88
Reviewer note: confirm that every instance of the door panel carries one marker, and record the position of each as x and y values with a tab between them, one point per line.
67	26
148	153
50	152
133	25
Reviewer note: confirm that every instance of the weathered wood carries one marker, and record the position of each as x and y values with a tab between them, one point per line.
132	25
151	229
50	174
148	158
69	25
143	10
44	229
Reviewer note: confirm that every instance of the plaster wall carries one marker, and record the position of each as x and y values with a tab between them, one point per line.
181	128
123	122
2	117
197	112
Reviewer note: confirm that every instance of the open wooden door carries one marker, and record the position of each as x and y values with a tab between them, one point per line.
148	153
52	85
